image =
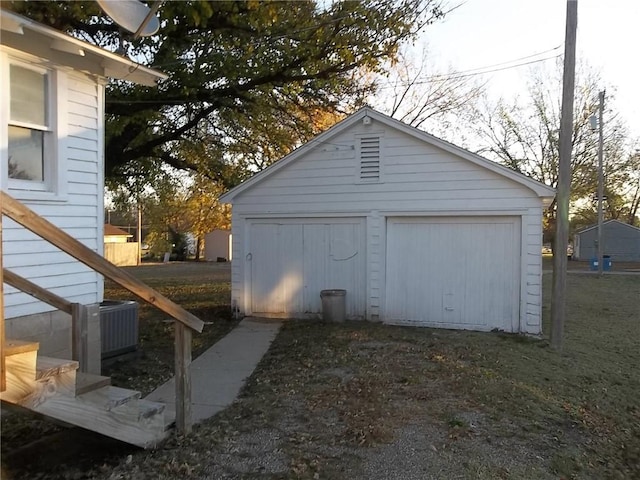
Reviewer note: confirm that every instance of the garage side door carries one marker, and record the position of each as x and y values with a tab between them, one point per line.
454	272
291	261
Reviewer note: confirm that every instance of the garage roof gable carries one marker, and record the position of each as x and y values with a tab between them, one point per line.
633	228
545	192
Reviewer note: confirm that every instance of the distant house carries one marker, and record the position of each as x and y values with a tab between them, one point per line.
217	246
417	231
118	248
113	234
620	241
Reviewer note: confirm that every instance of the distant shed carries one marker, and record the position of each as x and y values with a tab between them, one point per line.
620	241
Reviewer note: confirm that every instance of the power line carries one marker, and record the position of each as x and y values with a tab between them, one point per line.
508	62
457	75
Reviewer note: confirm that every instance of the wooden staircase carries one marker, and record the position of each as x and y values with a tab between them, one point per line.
54	387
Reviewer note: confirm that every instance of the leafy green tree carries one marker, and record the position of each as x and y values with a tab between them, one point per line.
173	204
264	70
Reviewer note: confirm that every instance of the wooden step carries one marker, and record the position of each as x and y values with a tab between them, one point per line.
116	396
87	382
169	417
148	409
33	379
111	411
20	359
14	347
49	367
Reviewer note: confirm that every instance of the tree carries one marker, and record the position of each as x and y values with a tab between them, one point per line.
622	196
174	205
416	94
523	135
239	70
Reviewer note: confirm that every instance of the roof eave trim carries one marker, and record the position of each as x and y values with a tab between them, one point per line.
113	63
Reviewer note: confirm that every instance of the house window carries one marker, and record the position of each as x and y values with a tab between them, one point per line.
28	123
369	158
29	134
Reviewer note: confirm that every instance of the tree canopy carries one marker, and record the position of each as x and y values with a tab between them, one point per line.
250	79
524	135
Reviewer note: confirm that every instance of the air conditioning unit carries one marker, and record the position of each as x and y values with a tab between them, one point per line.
118	327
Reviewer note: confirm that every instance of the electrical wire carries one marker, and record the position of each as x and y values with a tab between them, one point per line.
457	75
508	62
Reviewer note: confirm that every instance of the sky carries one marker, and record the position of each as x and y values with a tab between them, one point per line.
481	33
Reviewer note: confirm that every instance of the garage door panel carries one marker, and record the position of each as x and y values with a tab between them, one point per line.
311	255
275	265
265	290
455	273
316	250
291	258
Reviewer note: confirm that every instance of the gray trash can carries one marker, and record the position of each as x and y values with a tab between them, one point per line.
333	305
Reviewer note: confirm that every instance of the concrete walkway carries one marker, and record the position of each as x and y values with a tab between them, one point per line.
219	373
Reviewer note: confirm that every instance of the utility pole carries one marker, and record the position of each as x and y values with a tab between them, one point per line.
139	232
558	300
600	180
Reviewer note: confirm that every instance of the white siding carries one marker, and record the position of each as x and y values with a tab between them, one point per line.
78	212
415	176
416	179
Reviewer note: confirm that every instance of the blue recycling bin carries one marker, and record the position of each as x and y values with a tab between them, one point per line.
606	263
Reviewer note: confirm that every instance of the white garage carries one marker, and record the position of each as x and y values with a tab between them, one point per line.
416	230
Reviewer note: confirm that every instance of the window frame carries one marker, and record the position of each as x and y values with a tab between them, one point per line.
53	187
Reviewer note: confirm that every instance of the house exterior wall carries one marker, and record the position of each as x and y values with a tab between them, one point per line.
620	241
77	211
74	203
416	180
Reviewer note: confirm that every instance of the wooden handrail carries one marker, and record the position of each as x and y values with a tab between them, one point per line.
45	229
36	291
185	321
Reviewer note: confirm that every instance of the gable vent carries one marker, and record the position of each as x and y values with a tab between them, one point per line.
370	159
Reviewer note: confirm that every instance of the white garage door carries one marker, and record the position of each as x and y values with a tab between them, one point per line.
454	272
292	260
